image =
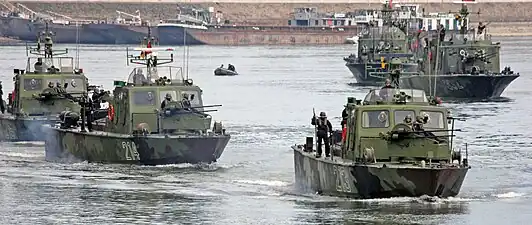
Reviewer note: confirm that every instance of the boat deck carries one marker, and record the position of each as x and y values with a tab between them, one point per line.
11	116
100	133
347	162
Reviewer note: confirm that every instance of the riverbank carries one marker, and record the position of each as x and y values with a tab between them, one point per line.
269	13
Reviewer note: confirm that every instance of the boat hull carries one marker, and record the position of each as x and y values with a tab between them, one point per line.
251	35
151	149
17	129
26	30
175	35
461	86
224	72
362	76
337	178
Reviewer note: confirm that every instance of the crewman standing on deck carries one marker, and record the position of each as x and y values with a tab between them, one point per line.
324	128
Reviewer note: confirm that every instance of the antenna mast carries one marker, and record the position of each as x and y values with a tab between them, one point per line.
77	44
47	52
185	51
149	57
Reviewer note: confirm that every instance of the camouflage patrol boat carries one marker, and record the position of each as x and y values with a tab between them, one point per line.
464	66
382	154
378	45
135	129
48	85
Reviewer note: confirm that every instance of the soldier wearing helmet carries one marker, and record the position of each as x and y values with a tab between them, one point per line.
408	120
185	102
387	84
385	92
167	99
324	127
418	124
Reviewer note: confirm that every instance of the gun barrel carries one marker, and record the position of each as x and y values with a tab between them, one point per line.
435	130
205	106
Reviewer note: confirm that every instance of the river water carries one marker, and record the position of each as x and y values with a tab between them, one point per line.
266	110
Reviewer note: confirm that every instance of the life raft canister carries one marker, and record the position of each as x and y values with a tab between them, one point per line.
111	112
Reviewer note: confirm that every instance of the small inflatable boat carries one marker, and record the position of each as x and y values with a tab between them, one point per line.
224	72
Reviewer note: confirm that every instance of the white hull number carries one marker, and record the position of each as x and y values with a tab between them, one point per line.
131	150
342	181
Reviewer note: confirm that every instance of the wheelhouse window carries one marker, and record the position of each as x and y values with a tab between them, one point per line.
435	121
193	97
162	95
375	119
400	115
143	98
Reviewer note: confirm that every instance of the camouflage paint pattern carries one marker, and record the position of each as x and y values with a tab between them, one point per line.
379	180
361	72
152	149
461	86
22	129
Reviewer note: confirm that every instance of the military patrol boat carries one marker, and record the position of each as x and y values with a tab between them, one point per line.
377	45
384	152
47	86
467	65
135	130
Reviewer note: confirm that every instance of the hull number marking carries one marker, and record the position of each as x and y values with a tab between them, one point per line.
131	150
342	180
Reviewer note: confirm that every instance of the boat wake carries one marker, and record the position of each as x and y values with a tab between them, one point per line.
271	183
510	194
29	143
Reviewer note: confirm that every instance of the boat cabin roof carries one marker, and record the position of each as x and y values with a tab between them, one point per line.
41	65
169	75
389	95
